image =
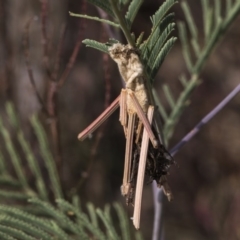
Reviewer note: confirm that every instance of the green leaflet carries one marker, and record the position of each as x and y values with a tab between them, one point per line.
24	226
158	17
123	221
59	216
104	4
161	12
161	56
163	25
95	19
158	39
97	45
214	28
132	11
82	218
42	223
47	156
32	161
18	234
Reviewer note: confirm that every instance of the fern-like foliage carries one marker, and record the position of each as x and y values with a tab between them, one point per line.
157	45
195	55
132	11
65	221
97	45
26	211
104	5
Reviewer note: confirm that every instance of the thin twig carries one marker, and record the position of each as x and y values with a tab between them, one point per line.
158	210
205	120
99	134
122	23
56	67
44	14
26	46
157	193
82	26
141	172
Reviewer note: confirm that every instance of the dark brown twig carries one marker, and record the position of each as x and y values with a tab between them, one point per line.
44	11
82	26
56	67
99	134
26	46
52	87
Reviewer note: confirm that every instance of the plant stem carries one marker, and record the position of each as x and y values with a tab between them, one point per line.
122	23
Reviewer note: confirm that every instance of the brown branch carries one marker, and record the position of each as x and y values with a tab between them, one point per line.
6	69
56	67
44	13
99	135
26	45
82	26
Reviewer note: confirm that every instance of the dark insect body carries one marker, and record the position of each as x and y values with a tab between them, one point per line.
158	164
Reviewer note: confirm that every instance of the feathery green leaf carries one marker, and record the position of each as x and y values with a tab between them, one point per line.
217	8
97	45
189	19
139	39
108	224
92	214
44	224
185	46
83	218
32	162
153	53
59	216
4	236
14	195
14	155
161	56
26	227
2	164
20	235
161	12
123	221
104	4
160	106
158	38
132	11
95	19
9	181
169	95
47	156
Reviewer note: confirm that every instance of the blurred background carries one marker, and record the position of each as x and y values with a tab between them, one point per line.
40	42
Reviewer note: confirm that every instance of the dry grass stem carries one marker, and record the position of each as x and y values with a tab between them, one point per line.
96	123
128	155
144	119
141	172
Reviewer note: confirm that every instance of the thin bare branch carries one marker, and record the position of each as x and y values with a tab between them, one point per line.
44	14
55	72
26	45
82	26
205	120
